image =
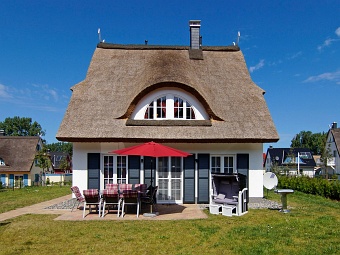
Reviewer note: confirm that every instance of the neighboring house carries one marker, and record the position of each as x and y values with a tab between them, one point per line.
319	164
17	160
199	99
58	159
293	161
333	145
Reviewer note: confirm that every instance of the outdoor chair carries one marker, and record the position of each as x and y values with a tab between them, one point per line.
112	186
92	197
130	197
150	197
141	189
124	186
227	194
111	197
79	197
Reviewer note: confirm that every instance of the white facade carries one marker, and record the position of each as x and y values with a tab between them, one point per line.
334	162
255	173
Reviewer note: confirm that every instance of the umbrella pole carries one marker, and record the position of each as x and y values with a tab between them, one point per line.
151	191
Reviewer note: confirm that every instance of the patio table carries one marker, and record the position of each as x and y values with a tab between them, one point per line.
284	193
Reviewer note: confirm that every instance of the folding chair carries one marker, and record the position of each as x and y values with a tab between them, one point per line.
79	197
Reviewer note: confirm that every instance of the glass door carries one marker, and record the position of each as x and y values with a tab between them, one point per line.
115	169
169	180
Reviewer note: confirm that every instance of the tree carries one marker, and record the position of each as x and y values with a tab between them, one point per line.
61	147
44	162
21	126
326	156
313	141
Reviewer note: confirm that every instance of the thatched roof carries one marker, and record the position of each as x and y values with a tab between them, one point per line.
18	152
120	75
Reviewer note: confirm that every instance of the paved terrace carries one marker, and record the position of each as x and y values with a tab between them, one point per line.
62	207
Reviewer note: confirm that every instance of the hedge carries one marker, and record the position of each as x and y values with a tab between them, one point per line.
316	186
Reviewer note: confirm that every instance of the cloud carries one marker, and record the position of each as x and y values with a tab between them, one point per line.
45	92
334	76
34	96
296	55
4	92
329	41
337	31
257	66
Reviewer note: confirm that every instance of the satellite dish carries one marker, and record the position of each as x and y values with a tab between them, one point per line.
269	180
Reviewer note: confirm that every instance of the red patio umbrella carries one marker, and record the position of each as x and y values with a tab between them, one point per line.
151	149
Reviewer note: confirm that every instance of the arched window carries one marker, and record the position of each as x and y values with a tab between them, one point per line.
169	104
180	108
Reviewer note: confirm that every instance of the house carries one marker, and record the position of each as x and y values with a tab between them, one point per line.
293	161
333	147
17	160
199	99
58	159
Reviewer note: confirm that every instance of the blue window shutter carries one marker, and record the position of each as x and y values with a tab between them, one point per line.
26	179
242	164
93	165
11	180
134	169
203	178
3	179
189	180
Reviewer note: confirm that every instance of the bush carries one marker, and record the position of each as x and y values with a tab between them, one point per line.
315	186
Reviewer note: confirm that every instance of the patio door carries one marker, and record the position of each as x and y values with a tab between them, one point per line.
169	180
115	169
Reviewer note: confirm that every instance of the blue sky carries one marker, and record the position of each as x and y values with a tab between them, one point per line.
292	50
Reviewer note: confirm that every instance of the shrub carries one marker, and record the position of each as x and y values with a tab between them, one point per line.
315	186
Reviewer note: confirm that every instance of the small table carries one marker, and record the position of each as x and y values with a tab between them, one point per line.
284	193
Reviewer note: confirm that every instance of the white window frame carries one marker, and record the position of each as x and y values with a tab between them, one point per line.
115	178
170	94
222	166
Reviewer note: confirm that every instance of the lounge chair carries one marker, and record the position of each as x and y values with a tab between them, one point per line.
79	197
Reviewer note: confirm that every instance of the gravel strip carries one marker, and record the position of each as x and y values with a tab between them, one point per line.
254	203
68	204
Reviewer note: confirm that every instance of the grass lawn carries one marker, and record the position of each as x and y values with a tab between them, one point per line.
312	227
11	199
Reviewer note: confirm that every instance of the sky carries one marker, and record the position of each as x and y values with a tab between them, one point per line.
291	48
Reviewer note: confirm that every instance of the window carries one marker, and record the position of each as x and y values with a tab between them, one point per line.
2	162
222	164
305	155
114	169
169	107
121	169
169	104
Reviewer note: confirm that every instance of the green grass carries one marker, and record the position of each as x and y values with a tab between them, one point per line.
11	199
312	227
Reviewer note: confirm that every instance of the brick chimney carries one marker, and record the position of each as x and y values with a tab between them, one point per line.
195	38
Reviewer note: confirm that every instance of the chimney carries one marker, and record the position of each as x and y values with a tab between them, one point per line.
195	38
334	125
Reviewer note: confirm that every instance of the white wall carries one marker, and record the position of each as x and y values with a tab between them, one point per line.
255	151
